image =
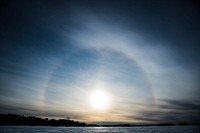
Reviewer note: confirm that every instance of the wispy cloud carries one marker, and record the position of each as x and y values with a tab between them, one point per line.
53	55
169	111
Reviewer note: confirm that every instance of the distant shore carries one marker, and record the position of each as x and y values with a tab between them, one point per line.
21	120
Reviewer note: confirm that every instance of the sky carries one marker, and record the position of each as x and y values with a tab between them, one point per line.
144	56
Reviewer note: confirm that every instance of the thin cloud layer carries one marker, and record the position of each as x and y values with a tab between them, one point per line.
54	55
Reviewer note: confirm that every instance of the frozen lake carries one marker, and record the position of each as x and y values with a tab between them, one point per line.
152	129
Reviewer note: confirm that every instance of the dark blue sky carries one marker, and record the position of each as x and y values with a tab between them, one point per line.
144	55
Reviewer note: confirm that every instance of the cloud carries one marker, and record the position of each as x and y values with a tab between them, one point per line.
169	111
181	105
60	51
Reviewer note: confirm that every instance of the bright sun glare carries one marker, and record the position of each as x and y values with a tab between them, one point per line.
99	99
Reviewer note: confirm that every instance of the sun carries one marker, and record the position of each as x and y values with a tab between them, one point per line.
99	100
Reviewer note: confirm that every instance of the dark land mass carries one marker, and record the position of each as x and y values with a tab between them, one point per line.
21	120
17	120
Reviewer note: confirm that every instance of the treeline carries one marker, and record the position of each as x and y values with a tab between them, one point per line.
17	120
